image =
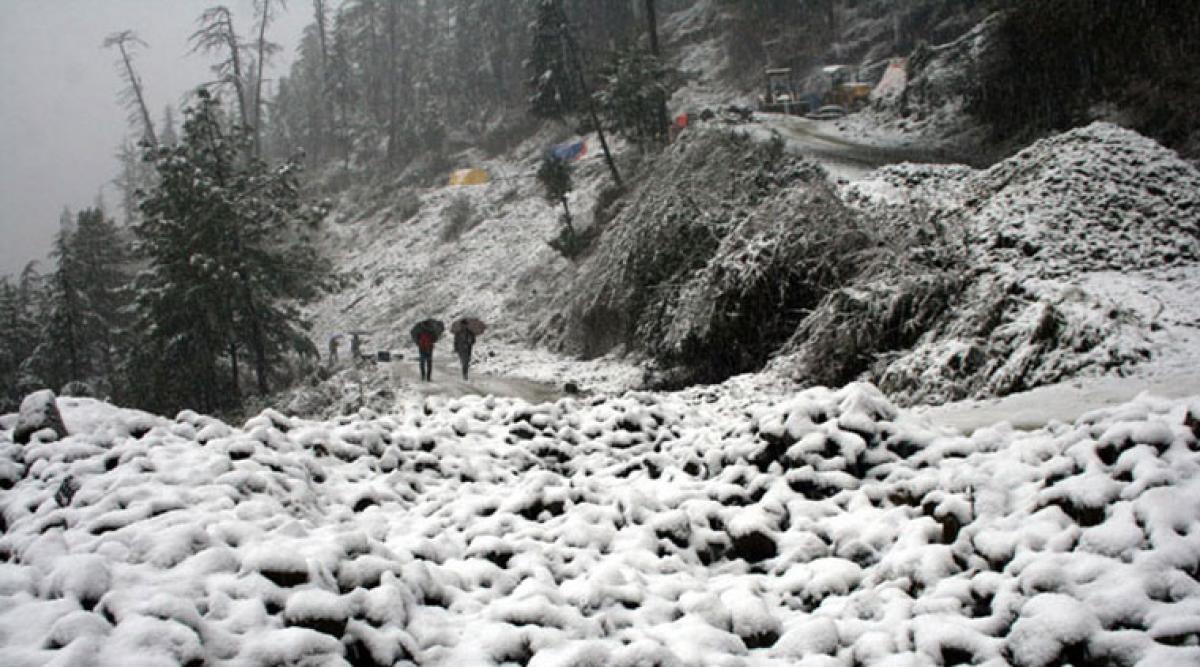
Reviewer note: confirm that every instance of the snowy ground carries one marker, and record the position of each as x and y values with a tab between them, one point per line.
824	528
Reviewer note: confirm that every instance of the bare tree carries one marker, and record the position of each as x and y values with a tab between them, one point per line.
133	95
216	35
324	106
265	51
321	22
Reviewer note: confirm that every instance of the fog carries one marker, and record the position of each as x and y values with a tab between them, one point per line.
60	120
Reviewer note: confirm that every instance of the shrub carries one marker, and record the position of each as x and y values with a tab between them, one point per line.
457	218
903	286
571	243
407	204
855	325
608	204
715	259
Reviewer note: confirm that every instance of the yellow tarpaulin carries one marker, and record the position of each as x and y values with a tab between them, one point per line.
468	177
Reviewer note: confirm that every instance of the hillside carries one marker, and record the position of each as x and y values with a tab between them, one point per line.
731	254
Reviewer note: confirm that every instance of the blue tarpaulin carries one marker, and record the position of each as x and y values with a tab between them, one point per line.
570	151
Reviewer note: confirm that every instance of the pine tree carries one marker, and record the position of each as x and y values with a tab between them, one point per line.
556	54
17	337
555	90
632	90
101	257
80	305
229	256
58	356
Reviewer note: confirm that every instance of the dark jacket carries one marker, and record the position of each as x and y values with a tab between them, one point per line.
464	340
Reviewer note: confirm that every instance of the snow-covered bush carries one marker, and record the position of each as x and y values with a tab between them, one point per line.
903	288
711	264
458	217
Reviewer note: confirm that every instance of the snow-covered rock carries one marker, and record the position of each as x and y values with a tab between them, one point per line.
712	527
39	411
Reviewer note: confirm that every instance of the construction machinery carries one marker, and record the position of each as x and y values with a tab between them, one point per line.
845	88
781	95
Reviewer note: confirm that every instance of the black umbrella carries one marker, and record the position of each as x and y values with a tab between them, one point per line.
472	324
434	327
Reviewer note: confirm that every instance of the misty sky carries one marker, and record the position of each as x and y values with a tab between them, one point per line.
60	120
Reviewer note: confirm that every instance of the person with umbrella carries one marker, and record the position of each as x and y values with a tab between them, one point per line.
465	330
425	333
334	340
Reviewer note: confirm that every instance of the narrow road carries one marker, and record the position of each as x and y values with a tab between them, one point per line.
1064	401
447	381
814	138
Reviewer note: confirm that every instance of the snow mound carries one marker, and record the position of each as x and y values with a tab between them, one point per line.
1094	198
1074	257
826	527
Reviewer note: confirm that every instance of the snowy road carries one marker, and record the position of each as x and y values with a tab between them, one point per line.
844	157
447	381
1064	402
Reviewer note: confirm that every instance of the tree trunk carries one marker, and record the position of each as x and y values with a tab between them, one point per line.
258	79
576	60
136	85
323	130
660	130
236	60
233	362
257	345
567	212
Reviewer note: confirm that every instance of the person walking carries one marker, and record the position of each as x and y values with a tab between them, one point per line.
425	341
333	349
425	333
464	340
466	330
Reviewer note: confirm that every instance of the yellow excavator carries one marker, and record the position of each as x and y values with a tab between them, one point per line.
845	88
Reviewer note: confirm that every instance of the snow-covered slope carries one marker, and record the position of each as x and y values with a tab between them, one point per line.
499	268
827	528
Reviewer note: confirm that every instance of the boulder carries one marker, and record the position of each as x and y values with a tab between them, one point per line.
39	410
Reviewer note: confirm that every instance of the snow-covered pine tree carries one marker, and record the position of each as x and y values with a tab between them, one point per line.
554	86
225	237
101	256
58	356
79	306
632	88
18	336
